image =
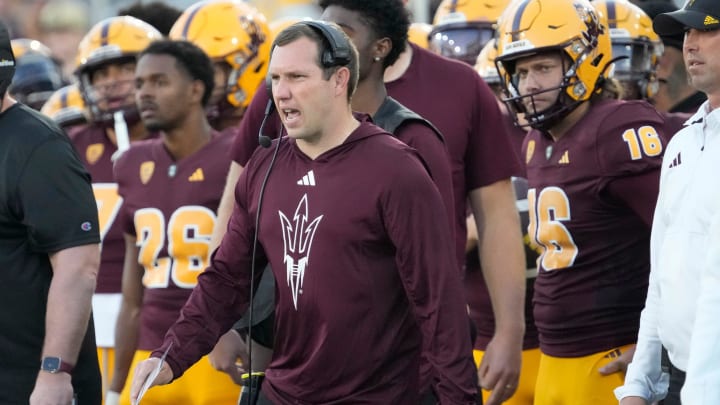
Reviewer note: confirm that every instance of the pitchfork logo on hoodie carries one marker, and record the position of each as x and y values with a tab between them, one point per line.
298	236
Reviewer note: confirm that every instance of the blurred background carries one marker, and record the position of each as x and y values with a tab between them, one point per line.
61	24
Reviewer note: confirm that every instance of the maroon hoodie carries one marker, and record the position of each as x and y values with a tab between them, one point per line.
362	252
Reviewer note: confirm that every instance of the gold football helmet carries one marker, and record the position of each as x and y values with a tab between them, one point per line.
571	27
112	40
37	73
636	43
66	107
232	32
463	27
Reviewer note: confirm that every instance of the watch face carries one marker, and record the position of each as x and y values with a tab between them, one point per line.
51	364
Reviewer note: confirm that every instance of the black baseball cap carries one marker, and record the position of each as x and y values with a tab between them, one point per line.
7	59
655	7
701	15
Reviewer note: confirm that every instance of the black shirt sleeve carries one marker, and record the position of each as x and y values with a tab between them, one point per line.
55	199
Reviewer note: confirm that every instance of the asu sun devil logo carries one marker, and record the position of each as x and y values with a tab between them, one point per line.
297	240
592	23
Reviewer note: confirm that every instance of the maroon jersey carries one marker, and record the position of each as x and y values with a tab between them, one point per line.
591	197
453	97
171	207
450	95
95	150
431	147
362	266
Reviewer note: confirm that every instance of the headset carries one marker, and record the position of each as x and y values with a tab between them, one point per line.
337	51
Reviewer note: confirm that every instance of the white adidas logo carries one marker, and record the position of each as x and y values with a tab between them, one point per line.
307	180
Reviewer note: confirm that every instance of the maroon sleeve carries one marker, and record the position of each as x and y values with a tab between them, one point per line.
425	251
490	156
221	294
433	151
632	141
246	140
639	193
630	149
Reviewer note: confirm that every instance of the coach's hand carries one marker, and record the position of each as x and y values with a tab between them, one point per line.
52	389
143	371
499	371
224	357
620	364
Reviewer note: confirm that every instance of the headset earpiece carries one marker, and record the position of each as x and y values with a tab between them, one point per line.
339	51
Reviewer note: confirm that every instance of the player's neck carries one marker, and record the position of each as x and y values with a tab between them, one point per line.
369	95
187	139
400	66
562	127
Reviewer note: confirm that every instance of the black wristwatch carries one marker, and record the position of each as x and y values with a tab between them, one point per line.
55	365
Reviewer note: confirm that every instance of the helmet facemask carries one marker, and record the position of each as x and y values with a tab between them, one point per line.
634	64
570	28
103	101
564	104
462	40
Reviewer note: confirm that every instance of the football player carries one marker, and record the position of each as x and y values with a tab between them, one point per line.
237	38
171	187
592	165
105	70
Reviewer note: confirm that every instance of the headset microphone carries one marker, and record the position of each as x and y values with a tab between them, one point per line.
263	139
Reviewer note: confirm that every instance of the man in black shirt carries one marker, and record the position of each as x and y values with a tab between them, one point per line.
49	257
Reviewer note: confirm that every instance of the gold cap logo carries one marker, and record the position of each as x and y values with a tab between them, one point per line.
146	171
93	152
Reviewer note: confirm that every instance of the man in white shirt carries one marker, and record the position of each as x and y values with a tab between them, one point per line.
683	302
